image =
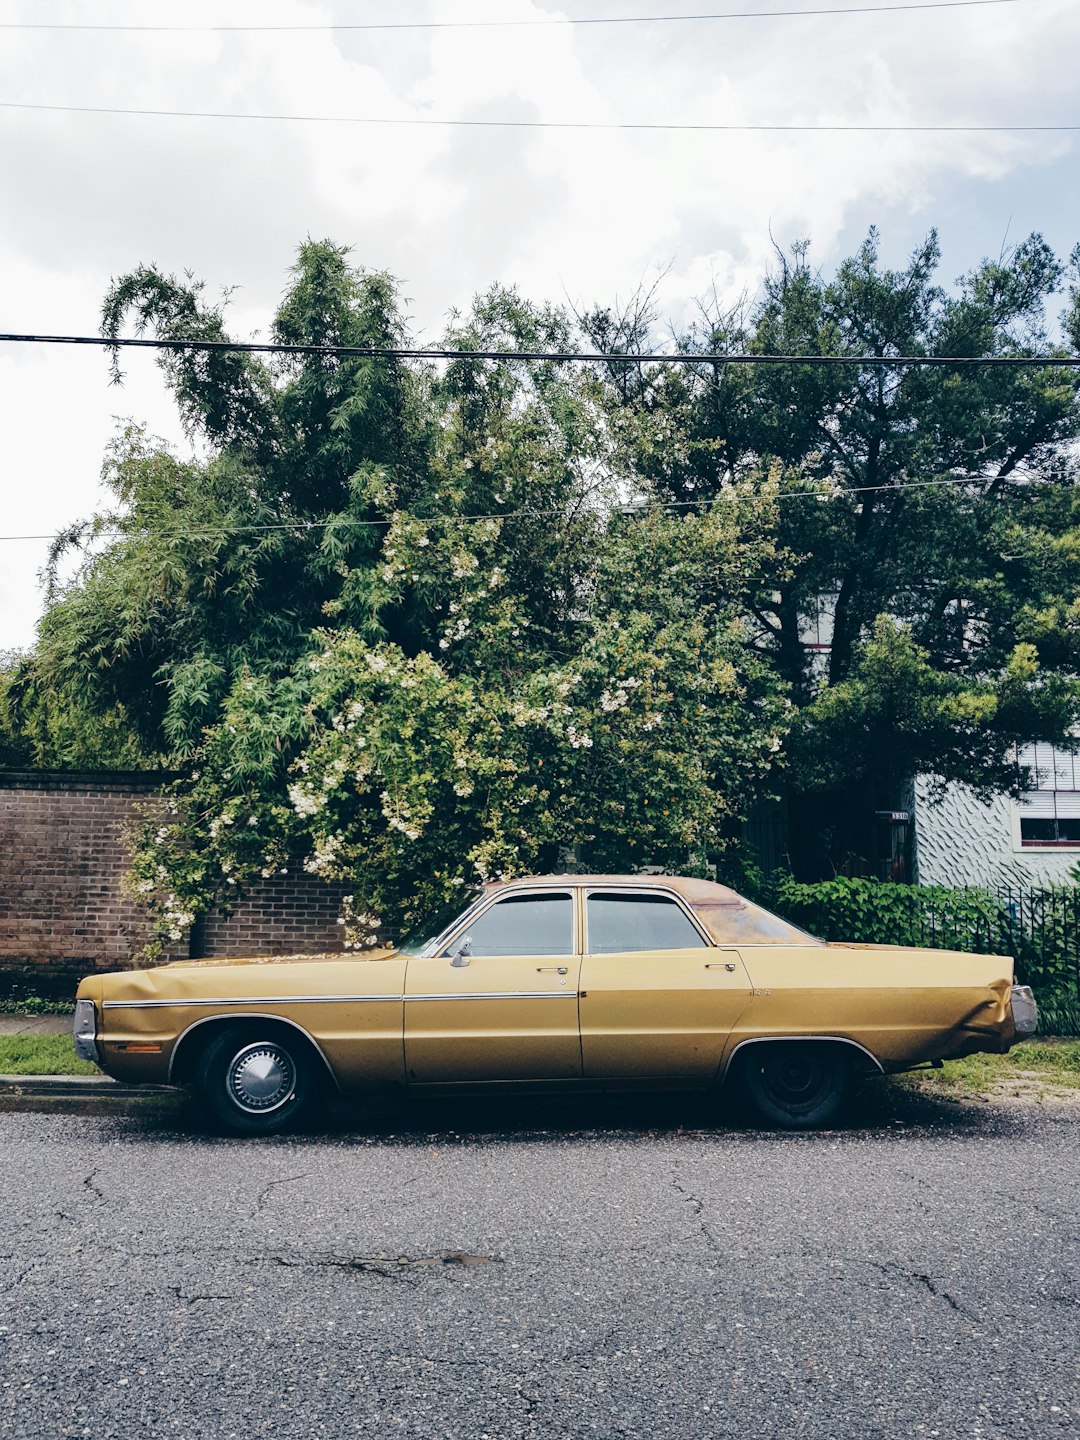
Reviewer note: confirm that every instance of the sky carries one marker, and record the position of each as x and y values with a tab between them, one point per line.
584	215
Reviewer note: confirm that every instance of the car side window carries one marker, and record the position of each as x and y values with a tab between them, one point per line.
638	922
524	925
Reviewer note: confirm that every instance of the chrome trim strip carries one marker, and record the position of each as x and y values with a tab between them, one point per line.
781	1039
253	1000
342	999
708	943
250	1015
500	995
457	928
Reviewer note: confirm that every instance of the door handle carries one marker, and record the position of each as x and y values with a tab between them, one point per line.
551	969
718	966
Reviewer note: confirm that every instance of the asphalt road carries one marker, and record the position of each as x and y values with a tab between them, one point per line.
625	1268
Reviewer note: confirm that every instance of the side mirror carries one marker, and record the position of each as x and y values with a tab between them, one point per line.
463	952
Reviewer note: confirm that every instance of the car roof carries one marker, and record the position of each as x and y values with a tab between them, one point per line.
693	890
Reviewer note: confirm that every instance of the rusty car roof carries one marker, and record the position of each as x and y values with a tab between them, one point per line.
694	890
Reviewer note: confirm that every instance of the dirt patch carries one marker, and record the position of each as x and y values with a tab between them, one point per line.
1021	1087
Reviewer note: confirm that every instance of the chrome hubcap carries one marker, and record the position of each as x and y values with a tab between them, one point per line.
797	1080
261	1077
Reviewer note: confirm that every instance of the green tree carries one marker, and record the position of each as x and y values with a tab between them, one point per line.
942	498
398	621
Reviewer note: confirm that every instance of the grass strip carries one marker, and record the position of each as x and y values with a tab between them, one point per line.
1048	1061
42	1055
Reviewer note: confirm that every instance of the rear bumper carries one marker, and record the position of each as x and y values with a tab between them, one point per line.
1025	1012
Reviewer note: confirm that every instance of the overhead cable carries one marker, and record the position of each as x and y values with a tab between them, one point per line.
656	125
667	357
631	508
508	24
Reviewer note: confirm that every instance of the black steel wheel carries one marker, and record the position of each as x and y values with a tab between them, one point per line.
796	1084
254	1080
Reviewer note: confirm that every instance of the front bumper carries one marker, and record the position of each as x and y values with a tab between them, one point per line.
1025	1012
84	1031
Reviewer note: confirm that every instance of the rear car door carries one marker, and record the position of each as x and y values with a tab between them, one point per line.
510	1012
658	998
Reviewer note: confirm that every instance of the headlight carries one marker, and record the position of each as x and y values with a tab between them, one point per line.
85	1031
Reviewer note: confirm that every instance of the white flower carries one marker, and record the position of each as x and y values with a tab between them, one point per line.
303	802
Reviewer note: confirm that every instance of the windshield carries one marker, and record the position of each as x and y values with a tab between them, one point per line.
427	938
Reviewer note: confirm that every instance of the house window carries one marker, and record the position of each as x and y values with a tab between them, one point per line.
1050	813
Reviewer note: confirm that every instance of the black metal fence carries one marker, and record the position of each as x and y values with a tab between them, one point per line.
1040	928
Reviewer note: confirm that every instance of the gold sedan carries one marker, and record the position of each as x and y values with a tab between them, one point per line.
585	982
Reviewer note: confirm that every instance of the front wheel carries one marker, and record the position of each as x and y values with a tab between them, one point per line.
253	1082
796	1085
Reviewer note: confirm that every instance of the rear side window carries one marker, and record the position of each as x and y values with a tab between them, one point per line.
524	925
638	922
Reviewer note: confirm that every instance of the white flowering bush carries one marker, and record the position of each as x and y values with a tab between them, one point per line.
411	776
399	628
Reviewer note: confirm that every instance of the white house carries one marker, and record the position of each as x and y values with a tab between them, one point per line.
1033	841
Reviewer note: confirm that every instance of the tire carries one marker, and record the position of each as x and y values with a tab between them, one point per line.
253	1080
796	1084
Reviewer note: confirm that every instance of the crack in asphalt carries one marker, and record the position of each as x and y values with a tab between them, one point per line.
938	1294
698	1206
88	1184
893	1268
264	1193
389	1267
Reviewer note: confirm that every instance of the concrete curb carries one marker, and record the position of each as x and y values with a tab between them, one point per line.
101	1087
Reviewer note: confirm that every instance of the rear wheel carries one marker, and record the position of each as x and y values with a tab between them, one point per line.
796	1084
254	1081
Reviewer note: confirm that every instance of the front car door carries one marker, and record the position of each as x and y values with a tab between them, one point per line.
658	998
510	1012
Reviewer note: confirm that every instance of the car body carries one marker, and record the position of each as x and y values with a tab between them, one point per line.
559	982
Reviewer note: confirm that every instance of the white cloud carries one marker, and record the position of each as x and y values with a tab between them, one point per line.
581	213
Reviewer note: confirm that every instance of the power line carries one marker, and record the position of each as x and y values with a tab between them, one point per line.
427	121
376	352
509	24
306	526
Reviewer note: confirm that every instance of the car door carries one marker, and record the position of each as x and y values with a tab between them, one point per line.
508	1009
658	998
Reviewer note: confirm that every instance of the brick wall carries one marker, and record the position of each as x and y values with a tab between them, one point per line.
291	914
62	909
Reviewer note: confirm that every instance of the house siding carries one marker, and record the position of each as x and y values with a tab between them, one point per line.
962	840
